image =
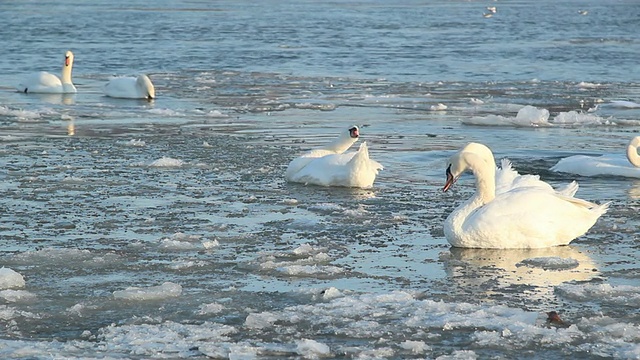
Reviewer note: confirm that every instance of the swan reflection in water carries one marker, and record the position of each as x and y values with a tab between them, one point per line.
71	128
55	99
634	190
488	272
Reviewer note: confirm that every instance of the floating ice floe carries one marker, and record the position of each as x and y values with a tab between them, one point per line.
438	107
550	263
290	202
182	241
22	115
311	349
623	295
307	261
531	116
66	257
589	85
164	112
212	308
580	118
165	291
167	162
622	104
16	295
136	143
416	347
310	106
10	279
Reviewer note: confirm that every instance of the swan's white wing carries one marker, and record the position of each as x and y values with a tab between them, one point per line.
353	169
41	82
613	165
122	87
328	170
531	218
508	179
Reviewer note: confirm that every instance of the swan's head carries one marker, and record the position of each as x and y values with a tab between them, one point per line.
454	170
147	87
68	58
354	132
470	157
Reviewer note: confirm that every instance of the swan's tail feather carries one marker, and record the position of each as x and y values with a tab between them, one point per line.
505	164
601	209
569	190
363	150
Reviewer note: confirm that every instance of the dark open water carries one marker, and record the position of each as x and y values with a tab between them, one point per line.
165	230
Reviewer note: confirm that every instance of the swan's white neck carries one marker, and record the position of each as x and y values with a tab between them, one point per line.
632	151
341	144
485	174
66	72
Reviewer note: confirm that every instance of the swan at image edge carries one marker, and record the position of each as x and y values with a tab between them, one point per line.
522	217
127	87
609	164
47	83
331	166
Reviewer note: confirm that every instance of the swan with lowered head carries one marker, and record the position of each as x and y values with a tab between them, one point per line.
127	87
609	164
524	217
47	83
331	166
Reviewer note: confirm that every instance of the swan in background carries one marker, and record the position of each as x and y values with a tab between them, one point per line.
331	166
127	87
520	218
609	164
44	82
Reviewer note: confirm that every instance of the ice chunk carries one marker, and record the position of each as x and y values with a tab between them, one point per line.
164	291
167	162
10	279
16	295
312	349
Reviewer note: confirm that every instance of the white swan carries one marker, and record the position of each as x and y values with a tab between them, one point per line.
126	87
523	217
331	166
44	82
610	164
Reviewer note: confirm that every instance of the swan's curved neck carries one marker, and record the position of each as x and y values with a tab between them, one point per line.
66	73
632	151
341	144
485	174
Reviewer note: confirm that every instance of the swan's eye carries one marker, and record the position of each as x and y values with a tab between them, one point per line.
448	173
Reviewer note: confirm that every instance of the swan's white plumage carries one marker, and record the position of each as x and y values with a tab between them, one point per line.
127	87
609	164
520	217
508	178
47	83
331	166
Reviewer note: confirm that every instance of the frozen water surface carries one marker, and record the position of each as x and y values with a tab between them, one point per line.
142	230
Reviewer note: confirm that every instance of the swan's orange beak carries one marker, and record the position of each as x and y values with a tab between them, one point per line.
450	180
66	61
